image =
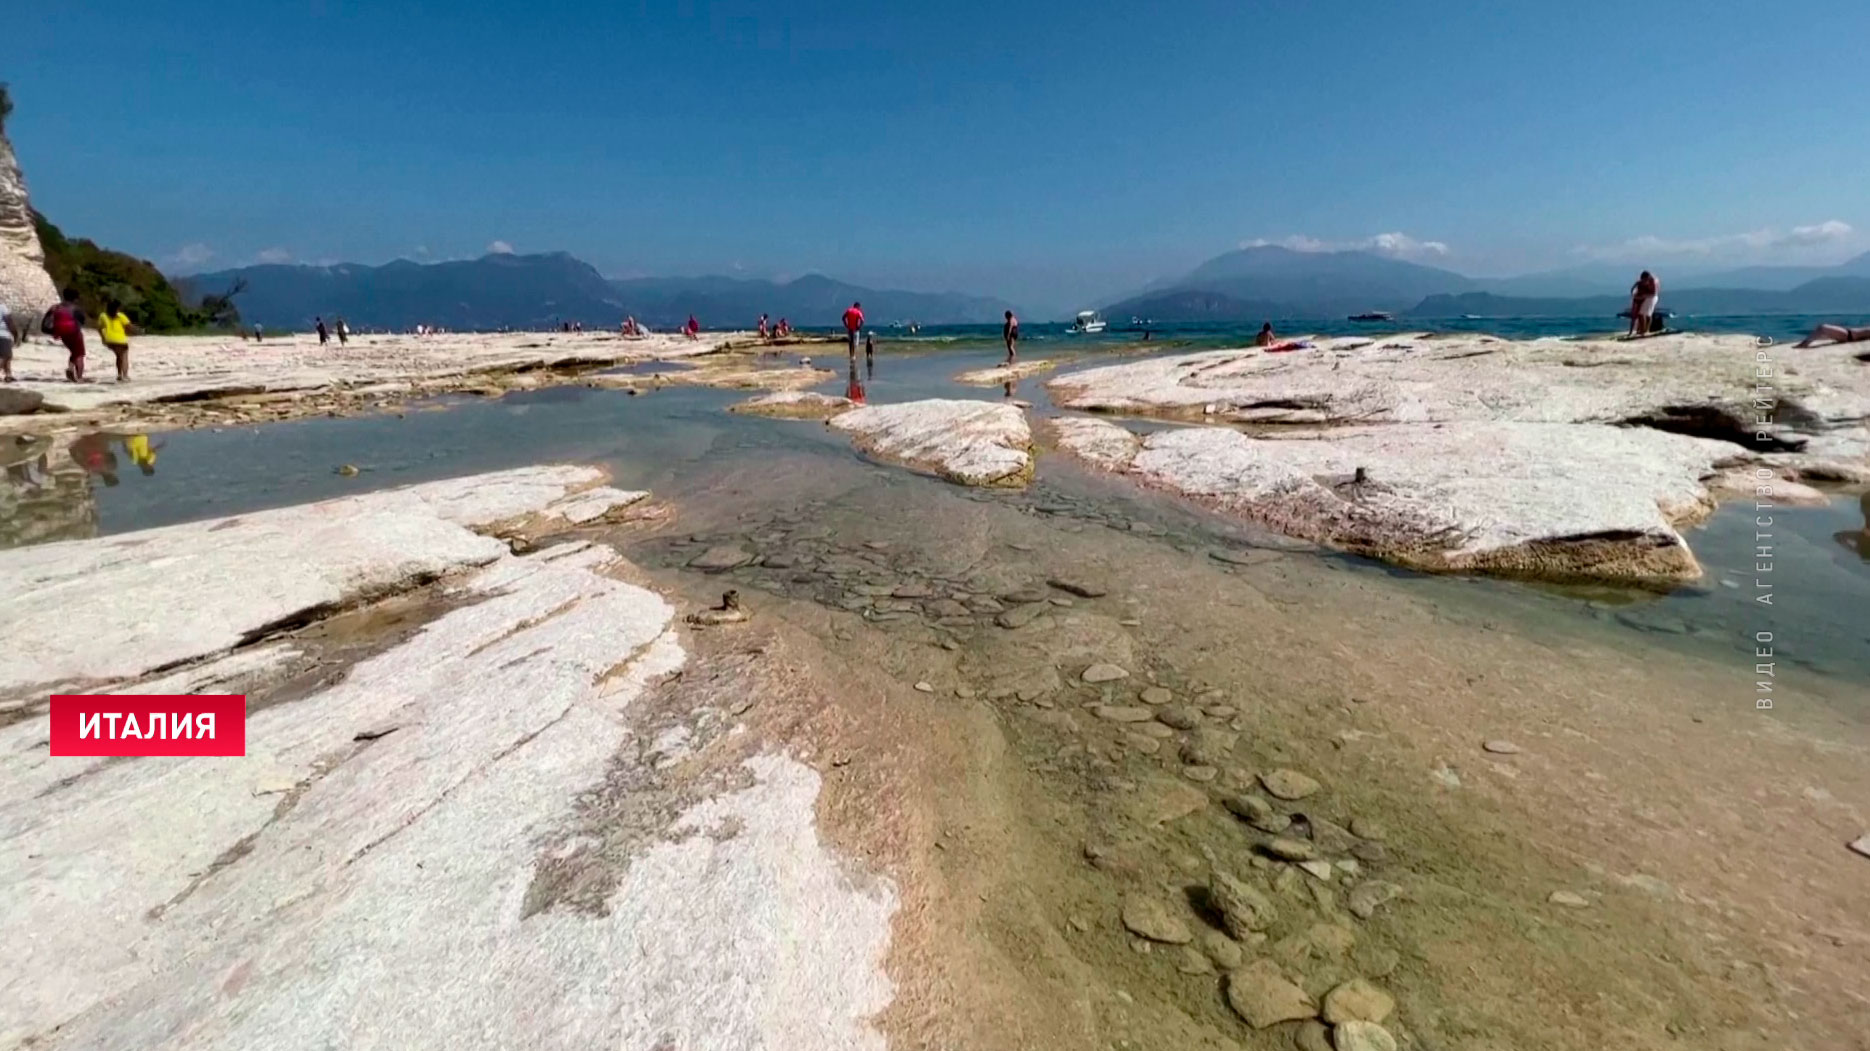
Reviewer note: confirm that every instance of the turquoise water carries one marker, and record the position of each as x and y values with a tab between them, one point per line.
1782	328
680	441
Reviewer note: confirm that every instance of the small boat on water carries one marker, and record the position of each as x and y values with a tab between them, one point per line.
1374	315
1087	324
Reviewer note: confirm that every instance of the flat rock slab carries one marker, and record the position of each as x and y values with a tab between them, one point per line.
794	405
1555	501
969	442
230	579
999	374
1701	384
419	813
178	368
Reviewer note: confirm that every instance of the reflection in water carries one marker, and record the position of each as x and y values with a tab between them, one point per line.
93	454
855	389
1858	541
46	495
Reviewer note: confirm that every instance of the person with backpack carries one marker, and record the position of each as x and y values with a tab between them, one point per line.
65	323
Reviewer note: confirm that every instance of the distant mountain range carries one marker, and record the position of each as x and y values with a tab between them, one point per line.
1272	281
1826	295
1275	282
1267	282
542	291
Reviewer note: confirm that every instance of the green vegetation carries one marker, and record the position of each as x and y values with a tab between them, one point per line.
100	274
6	107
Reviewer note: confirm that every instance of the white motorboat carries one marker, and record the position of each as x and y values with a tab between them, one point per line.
1087	324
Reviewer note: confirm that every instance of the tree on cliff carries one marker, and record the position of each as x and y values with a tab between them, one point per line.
6	107
147	296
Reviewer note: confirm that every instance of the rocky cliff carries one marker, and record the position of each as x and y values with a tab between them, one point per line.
25	287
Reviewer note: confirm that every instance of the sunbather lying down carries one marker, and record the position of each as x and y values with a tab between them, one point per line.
1836	334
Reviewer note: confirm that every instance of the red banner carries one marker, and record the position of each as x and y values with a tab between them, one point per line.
149	724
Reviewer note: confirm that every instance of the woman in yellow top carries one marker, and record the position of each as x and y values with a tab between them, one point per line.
113	327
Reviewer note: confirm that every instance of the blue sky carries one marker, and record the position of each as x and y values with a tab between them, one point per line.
1054	153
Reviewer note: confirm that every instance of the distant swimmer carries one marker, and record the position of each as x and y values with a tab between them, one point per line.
1266	337
853	320
1836	334
1009	332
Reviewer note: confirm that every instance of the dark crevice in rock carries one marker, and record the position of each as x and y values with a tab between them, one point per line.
1722	423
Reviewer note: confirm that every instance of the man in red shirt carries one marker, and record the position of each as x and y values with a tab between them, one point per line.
853	320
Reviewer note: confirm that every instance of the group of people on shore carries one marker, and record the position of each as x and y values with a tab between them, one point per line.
770	331
65	323
339	328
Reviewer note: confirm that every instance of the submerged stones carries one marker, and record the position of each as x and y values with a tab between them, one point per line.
1079	587
1146	916
720	558
1264	997
1257	812
1370	895
1357	1000
1178	716
1243	910
1362	1036
1289	784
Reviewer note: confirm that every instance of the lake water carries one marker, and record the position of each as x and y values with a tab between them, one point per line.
676	441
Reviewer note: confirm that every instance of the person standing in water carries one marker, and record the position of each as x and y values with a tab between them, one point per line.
65	323
870	350
1009	332
853	320
113	327
1643	296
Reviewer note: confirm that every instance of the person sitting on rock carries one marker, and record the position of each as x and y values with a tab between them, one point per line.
1836	334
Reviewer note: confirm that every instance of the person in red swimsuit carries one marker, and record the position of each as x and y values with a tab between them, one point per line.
65	323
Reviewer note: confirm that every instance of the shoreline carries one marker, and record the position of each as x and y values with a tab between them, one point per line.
996	903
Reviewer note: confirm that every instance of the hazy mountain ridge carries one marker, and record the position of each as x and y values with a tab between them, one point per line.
1273	282
542	291
1827	295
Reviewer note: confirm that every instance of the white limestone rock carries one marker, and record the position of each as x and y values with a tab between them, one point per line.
1545	500
25	287
1003	373
1699	384
1101	442
794	405
322	892
229	579
970	442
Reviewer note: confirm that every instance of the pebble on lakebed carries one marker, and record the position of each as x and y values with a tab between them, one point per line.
1289	784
